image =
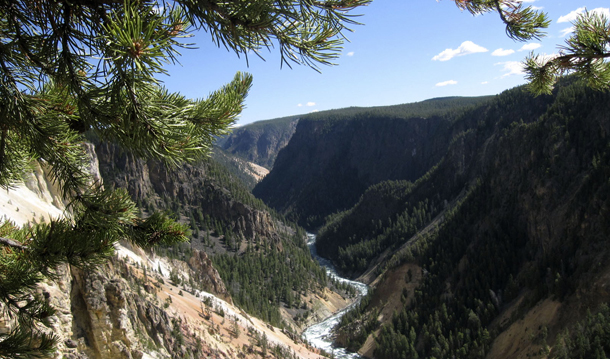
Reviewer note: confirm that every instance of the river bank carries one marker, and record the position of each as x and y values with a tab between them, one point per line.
321	335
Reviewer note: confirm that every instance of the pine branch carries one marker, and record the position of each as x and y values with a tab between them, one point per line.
23	343
3	146
584	54
12	243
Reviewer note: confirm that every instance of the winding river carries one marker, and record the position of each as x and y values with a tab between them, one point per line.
320	334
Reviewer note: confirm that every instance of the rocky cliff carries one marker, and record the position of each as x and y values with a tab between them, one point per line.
115	312
140	304
190	187
260	142
244	238
127	309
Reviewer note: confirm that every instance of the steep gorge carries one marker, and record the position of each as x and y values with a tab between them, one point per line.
155	185
334	156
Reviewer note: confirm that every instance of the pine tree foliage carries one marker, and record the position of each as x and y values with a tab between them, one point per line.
73	67
585	53
522	23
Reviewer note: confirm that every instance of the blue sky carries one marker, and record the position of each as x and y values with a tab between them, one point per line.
406	51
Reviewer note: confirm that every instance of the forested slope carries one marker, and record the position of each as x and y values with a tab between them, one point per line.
391	212
335	155
514	248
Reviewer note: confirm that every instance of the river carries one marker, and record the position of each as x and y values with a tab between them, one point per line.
320	335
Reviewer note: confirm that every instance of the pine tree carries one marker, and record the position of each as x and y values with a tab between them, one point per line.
71	68
585	53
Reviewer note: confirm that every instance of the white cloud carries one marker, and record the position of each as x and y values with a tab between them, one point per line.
445	83
602	11
527	0
466	48
529	47
308	104
484	83
511	68
502	52
567	31
351	53
574	14
537	7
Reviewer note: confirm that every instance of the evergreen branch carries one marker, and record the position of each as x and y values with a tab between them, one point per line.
12	243
27	50
3	137
522	24
289	24
158	229
568	59
24	343
97	2
585	54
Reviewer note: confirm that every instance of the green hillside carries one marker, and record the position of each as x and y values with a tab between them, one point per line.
512	219
334	156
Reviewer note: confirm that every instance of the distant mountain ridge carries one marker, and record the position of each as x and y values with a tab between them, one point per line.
260	142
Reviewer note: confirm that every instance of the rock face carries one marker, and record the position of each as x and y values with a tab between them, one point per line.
129	308
260	142
123	311
107	313
190	185
115	312
204	272
248	172
334	156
